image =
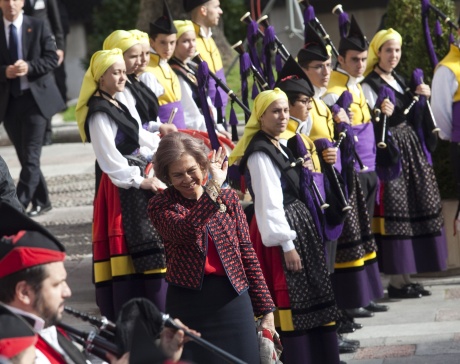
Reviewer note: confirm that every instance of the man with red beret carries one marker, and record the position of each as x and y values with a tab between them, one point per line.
33	283
17	339
33	286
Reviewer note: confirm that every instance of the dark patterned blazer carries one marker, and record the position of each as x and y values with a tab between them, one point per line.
184	225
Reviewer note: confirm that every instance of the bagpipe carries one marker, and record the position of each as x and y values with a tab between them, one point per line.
247	66
423	119
344	102
263	21
139	322
307	180
198	60
271	44
427	8
203	75
388	160
310	17
333	206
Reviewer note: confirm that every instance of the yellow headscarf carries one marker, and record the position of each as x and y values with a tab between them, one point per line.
141	36
379	39
183	26
120	39
261	103
100	62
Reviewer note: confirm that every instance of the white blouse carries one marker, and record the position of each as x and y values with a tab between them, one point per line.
103	131
443	89
268	202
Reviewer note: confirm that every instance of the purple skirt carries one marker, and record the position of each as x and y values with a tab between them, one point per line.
409	230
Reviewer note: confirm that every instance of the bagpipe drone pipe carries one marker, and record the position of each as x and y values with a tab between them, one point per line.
271	44
388	159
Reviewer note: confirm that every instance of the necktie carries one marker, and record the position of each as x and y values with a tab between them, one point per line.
13	49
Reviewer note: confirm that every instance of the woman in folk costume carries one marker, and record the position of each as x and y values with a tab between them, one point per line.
356	277
289	247
128	254
137	97
299	90
187	73
408	223
162	42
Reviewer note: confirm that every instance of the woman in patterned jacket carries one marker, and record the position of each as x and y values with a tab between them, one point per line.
212	269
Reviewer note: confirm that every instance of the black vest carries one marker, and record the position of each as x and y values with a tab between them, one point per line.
121	116
402	100
188	73
261	143
146	101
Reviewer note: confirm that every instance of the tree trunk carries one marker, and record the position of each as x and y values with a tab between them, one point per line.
150	10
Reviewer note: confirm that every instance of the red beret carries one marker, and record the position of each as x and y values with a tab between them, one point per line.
24	243
15	335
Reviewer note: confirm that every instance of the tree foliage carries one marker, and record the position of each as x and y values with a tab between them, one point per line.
108	16
405	17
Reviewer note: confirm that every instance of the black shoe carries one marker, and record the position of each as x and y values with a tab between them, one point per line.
345	327
357	325
375	307
38	210
343	362
404	292
359	312
352	342
345	347
420	289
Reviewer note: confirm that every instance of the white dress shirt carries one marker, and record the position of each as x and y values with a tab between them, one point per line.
18	24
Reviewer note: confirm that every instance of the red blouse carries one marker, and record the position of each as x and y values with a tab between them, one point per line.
213	263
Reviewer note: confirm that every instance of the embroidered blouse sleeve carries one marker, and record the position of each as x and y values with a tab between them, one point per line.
268	202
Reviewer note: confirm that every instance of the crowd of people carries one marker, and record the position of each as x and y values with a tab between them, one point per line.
336	159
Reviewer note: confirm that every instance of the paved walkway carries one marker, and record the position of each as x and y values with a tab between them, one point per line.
425	330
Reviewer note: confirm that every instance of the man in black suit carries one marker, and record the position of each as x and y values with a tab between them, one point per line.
28	96
50	12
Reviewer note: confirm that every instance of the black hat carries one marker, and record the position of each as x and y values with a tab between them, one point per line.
15	334
293	80
354	40
314	48
25	243
189	5
164	24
